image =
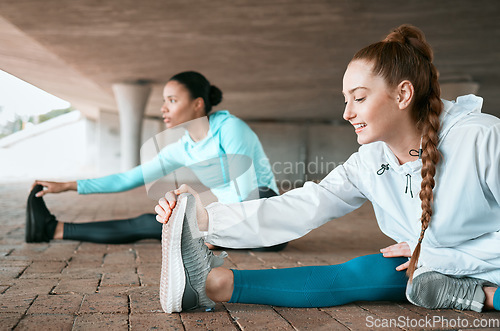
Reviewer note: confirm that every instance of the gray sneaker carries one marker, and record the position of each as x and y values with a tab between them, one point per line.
186	261
433	290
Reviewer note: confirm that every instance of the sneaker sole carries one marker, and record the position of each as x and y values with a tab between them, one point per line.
417	272
31	233
173	281
29	224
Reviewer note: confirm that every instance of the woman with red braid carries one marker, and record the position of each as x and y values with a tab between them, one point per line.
431	169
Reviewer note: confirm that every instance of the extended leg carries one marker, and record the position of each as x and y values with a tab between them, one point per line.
42	226
115	232
370	278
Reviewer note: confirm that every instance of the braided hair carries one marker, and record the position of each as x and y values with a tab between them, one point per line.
405	55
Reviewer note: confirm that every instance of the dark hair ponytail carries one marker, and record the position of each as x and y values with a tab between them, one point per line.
405	55
199	87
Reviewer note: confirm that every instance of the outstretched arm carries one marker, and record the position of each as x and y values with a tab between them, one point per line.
164	163
54	187
267	222
113	183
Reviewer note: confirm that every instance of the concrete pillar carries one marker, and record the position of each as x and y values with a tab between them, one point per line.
131	99
108	136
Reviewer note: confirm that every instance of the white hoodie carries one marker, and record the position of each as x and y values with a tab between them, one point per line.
464	233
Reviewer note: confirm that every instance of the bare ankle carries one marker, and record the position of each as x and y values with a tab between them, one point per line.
59	232
220	284
490	293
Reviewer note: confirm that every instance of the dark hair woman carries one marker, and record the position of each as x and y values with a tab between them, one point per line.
188	96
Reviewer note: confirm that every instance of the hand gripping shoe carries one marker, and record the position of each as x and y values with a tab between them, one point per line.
433	290
186	261
40	223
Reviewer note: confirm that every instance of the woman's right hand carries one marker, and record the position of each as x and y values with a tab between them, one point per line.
54	187
167	204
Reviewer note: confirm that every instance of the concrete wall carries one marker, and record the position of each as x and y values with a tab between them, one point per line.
61	148
329	146
285	146
303	152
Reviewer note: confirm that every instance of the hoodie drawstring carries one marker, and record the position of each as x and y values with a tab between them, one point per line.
408	185
383	168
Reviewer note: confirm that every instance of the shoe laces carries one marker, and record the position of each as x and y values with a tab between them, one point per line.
461	293
213	260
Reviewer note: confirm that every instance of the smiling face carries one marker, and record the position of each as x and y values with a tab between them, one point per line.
371	106
178	105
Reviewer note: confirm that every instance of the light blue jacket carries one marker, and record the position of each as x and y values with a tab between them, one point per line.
228	142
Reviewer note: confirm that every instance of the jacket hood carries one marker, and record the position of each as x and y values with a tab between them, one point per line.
217	118
454	111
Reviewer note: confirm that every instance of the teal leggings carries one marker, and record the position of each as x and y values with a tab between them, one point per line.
367	278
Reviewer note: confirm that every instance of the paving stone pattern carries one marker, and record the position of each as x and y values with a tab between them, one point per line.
69	285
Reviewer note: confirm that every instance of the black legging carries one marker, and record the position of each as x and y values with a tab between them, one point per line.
126	231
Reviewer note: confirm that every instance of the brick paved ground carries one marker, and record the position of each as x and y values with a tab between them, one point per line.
65	285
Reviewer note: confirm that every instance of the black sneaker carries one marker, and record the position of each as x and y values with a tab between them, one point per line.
186	261
40	223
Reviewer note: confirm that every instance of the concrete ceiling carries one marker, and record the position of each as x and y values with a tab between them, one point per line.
273	59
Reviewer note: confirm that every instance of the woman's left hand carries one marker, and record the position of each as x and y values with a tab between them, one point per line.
398	250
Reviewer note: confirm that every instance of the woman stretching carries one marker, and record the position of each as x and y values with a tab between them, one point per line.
422	158
188	100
